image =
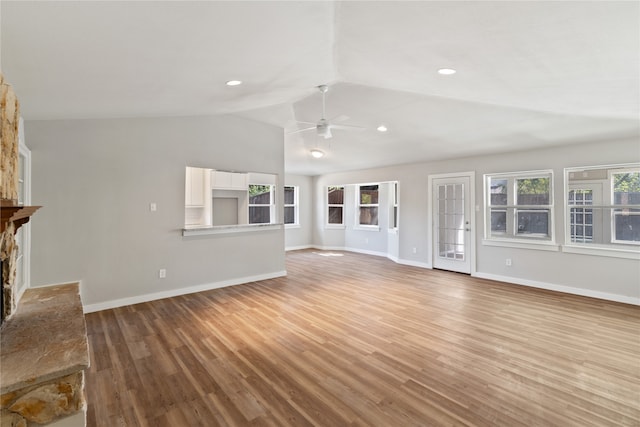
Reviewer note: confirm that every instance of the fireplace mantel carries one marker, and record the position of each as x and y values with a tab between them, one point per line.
18	214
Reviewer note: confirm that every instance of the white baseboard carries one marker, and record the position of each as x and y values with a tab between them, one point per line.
329	248
90	308
366	252
298	248
560	288
393	258
414	263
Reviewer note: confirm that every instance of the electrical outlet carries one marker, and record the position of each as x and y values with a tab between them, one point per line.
162	273
507	262
366	241
415	250
153	207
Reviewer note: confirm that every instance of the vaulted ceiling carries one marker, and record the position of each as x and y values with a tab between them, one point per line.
529	74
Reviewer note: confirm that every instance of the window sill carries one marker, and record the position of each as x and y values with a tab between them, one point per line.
335	226
367	227
286	226
227	229
602	251
513	243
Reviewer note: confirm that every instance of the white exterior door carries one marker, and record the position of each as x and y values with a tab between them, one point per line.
451	223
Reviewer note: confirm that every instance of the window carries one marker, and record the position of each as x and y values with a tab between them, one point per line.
626	206
335	203
519	206
394	212
603	208
291	205
368	205
261	204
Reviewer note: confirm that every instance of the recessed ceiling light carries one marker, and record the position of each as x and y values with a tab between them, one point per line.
446	71
382	128
317	153
234	82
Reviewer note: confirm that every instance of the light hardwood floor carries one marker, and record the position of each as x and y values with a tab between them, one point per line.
360	340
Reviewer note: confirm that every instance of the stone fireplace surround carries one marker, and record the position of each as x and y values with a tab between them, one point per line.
43	337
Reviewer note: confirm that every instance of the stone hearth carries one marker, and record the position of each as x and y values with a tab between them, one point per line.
43	355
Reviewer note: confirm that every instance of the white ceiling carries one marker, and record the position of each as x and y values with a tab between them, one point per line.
530	74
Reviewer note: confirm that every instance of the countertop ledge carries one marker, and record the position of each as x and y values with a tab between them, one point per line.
45	339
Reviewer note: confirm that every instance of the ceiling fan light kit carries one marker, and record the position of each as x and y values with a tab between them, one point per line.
323	126
316	153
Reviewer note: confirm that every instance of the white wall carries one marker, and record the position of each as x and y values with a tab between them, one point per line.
96	179
299	237
606	277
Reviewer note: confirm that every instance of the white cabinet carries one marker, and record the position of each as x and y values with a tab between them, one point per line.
195	187
228	181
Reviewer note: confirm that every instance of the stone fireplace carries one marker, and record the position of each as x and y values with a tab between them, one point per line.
9	119
43	337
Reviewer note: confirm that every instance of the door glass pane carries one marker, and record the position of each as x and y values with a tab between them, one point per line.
442	249
451	221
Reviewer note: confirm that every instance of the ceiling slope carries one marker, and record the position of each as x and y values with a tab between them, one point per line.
529	74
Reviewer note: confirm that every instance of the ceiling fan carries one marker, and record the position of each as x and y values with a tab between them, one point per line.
323	127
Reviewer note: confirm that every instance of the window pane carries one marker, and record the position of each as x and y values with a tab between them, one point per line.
259	194
368	194
335	214
289	215
498	221
335	196
581	219
395	217
289	195
368	216
533	221
395	193
498	192
627	224
259	214
533	191
626	188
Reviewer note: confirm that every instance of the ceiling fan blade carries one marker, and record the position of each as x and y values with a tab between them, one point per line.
301	130
306	123
338	119
346	127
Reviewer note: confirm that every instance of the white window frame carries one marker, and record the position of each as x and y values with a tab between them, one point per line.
511	238
295	205
23	235
358	225
610	174
272	204
609	246
334	205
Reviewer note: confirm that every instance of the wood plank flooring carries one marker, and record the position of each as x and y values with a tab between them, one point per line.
356	340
